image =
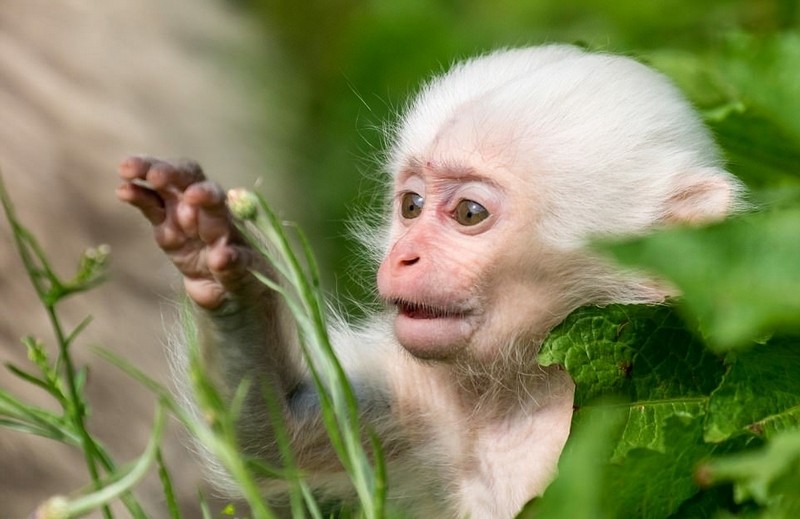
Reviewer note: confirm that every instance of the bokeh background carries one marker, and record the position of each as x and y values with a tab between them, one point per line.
295	97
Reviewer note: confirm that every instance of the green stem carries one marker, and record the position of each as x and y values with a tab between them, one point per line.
166	485
78	410
37	267
118	487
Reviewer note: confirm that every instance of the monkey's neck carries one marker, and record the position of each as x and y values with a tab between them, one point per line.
510	382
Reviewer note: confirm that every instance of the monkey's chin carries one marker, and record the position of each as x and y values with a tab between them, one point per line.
433	338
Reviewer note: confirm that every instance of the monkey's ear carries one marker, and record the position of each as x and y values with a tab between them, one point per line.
702	196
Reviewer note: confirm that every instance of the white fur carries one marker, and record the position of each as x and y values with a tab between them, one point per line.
576	121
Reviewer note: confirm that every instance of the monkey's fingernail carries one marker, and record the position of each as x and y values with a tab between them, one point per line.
242	203
143	183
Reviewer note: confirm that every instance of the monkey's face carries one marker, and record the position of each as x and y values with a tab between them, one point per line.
458	267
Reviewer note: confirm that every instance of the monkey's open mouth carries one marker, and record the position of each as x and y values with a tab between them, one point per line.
414	310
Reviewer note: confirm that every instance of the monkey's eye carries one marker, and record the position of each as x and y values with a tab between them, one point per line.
469	212
411	205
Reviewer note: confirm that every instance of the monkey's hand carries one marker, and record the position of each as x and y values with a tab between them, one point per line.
193	226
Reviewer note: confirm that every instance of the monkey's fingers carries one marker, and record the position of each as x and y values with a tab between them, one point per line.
206	214
167	179
146	200
230	268
231	264
167	233
206	293
134	168
170	178
152	182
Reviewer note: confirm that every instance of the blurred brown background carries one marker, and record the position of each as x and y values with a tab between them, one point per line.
82	84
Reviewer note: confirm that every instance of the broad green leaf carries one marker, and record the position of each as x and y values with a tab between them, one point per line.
713	503
643	353
740	278
760	392
773	424
650	483
645	483
595	346
645	425
769	476
647	356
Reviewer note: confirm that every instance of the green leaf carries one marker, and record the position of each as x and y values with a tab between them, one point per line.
760	393
764	72
595	346
759	149
38	429
300	289
205	510
649	483
167	487
769	476
645	426
644	353
33	379
35	420
749	90
739	278
665	374
646	482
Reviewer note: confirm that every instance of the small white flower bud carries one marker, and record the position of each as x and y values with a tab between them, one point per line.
242	203
99	253
56	507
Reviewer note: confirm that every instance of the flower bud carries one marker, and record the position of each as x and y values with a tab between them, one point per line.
54	508
242	203
92	266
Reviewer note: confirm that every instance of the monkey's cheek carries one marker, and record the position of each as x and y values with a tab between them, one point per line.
433	338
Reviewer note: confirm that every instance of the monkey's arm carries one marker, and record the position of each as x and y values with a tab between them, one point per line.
256	342
248	340
244	329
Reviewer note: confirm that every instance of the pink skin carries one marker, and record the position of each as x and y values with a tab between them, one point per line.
435	314
436	267
191	224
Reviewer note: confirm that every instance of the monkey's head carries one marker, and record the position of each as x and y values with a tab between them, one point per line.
505	166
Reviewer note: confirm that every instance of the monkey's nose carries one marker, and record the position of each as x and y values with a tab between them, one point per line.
407	262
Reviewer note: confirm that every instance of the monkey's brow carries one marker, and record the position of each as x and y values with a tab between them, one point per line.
449	172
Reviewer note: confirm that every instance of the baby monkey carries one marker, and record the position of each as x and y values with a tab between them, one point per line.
500	172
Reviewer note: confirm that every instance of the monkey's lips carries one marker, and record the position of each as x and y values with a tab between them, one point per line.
425	311
431	331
